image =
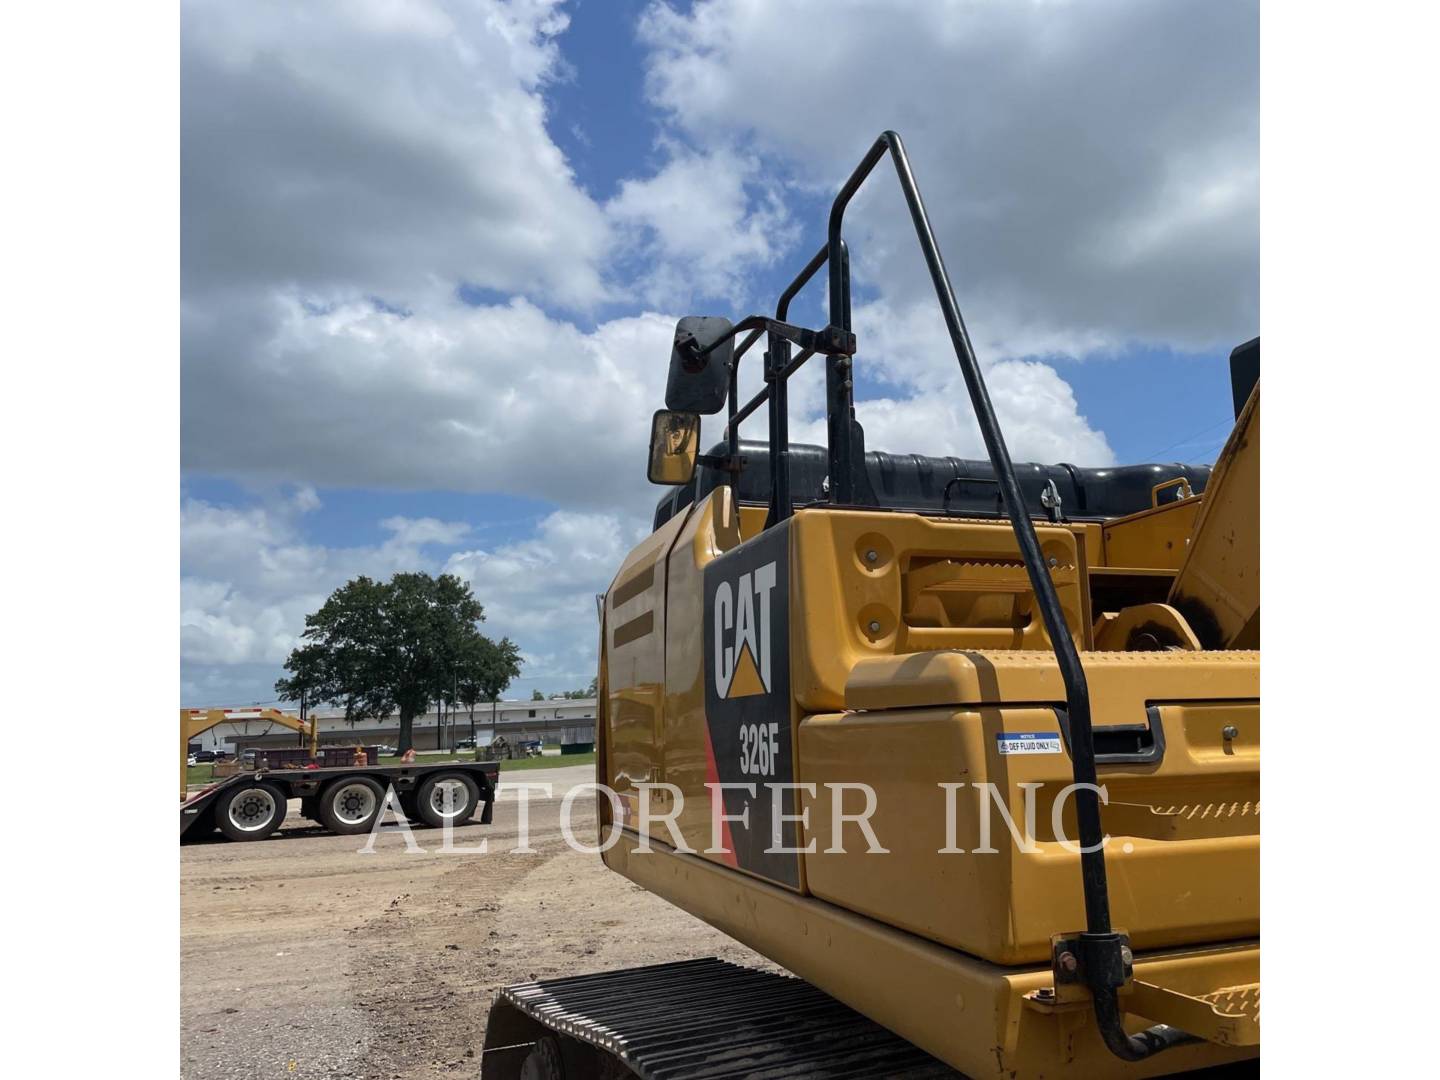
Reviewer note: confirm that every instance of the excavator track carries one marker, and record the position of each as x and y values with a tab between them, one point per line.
690	1020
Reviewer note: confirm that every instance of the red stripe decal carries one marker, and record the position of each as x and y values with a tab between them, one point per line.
717	805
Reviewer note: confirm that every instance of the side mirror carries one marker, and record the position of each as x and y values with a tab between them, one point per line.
698	383
674	446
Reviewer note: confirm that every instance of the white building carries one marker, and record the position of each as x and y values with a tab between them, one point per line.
555	720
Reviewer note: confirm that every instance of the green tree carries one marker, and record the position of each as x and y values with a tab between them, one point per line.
577	695
468	691
347	632
423	621
393	646
308	681
536	695
487	668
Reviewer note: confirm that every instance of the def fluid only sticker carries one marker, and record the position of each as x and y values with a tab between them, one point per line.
1030	742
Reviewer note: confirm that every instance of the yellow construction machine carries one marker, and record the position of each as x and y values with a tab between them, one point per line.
972	748
195	722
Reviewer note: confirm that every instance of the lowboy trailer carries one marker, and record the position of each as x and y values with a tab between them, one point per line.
343	799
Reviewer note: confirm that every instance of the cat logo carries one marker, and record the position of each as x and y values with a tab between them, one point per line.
742	634
749	713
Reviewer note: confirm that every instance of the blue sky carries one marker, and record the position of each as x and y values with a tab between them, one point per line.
432	253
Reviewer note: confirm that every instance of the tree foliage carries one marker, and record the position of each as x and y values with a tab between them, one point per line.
307	682
488	667
393	647
578	695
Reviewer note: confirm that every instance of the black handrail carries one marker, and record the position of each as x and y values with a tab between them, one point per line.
763	395
778	369
1103	960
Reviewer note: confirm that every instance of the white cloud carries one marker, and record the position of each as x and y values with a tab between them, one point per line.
700	226
489	399
1036	409
542	589
909	348
1091	169
418	532
347	168
377	148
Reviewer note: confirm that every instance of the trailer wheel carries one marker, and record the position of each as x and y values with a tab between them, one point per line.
446	796
251	812
351	804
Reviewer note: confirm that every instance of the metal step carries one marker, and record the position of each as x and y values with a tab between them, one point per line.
1229	1016
712	1020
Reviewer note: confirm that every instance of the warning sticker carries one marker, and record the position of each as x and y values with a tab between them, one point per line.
1030	742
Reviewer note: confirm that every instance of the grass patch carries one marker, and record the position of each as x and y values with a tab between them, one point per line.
553	762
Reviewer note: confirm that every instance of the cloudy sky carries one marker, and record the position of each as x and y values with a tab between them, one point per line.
433	253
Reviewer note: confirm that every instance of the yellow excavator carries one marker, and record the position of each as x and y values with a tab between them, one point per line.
971	748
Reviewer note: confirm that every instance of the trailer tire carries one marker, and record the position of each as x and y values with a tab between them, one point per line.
351	804
250	812
430	798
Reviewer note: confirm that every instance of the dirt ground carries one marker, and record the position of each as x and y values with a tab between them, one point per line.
302	958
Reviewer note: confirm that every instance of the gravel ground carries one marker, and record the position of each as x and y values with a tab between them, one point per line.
302	958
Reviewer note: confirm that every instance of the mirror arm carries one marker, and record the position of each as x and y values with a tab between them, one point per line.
695	355
831	341
744	346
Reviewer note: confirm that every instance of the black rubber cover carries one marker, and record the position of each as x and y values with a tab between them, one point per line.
918	483
1244	372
